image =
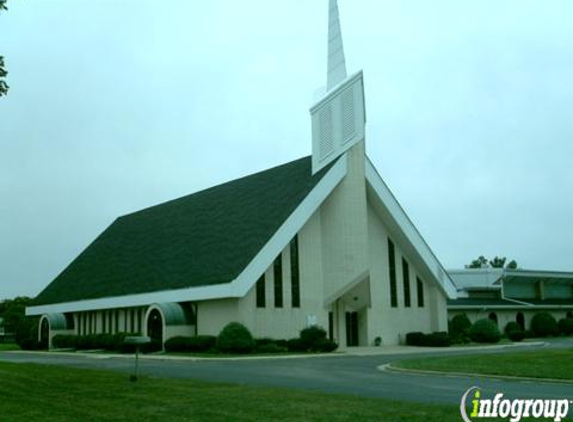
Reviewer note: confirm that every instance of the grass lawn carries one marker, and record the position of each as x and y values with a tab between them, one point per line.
50	393
556	364
8	346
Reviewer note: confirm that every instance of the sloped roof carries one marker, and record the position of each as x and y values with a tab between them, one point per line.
203	239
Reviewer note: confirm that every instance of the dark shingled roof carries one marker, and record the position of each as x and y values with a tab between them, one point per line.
203	239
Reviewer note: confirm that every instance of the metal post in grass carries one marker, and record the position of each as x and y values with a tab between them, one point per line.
137	341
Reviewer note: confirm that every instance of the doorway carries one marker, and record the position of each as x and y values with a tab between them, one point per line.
520	319
351	329
155	326
44	333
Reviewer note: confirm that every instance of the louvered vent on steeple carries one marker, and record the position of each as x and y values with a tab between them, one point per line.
338	119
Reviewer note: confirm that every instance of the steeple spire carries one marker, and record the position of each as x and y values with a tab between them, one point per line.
336	61
339	117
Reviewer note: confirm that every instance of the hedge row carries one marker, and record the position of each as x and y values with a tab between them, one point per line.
437	339
235	338
108	342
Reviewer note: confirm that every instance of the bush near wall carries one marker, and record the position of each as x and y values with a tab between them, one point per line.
543	324
235	338
197	344
516	335
313	339
513	331
565	326
485	331
510	327
436	339
459	328
107	342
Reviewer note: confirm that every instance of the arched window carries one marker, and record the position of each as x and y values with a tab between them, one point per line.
493	317
520	319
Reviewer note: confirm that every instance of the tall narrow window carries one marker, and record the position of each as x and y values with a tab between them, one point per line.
294	273
125	321
420	286
278	273
406	280
116	320
132	319
261	292
392	270
138	321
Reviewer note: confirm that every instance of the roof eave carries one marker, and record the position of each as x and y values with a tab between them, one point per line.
409	231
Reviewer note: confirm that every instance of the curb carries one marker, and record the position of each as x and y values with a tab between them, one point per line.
175	358
396	369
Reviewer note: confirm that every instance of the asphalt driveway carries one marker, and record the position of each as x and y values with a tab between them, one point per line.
357	375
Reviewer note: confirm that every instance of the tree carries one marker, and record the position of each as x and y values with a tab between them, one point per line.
478	263
3	72
512	265
13	311
497	262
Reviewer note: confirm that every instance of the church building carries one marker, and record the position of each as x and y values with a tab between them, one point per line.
317	241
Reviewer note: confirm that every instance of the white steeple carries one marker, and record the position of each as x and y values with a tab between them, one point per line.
336	61
338	119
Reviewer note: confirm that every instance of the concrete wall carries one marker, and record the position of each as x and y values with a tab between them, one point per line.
392	324
286	322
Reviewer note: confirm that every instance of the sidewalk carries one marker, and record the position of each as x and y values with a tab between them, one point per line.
407	350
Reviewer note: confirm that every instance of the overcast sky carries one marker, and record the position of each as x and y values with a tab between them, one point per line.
118	105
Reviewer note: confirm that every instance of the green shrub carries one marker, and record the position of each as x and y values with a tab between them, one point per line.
282	343
565	326
324	345
259	342
516	335
295	345
151	347
415	338
460	326
62	341
235	338
313	339
271	348
437	339
177	344
511	326
198	344
485	331
26	335
543	324
311	335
